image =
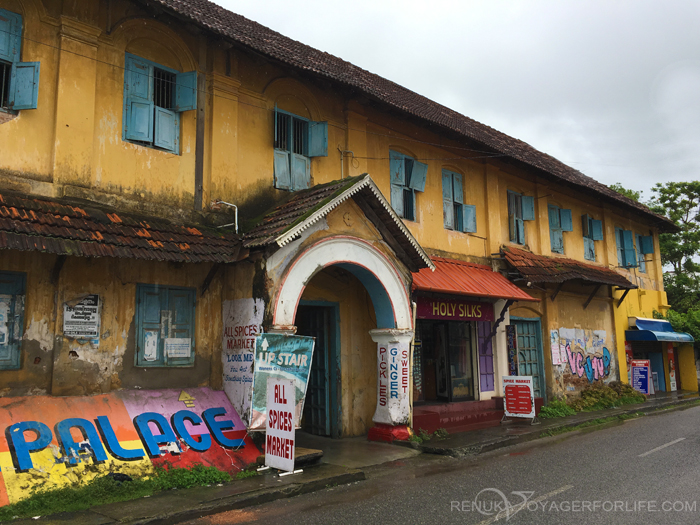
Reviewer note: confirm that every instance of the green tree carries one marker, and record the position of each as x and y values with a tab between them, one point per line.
634	195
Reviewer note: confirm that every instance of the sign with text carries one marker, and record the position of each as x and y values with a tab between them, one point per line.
453	310
82	320
520	396
641	375
673	386
280	356
279	427
512	345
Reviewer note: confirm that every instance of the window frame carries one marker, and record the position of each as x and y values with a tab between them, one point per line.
623	251
588	227
23	84
407	176
521	208
641	262
456	215
17	282
143	324
563	224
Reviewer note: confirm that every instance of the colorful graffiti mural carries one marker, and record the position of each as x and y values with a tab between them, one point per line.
56	441
592	367
585	352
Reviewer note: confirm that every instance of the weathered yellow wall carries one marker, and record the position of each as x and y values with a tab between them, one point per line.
686	368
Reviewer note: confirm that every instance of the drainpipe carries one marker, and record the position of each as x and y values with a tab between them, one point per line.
342	156
219	202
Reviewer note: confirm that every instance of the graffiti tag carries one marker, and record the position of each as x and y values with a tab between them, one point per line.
593	367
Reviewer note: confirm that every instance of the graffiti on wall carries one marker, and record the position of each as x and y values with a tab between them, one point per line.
584	353
57	441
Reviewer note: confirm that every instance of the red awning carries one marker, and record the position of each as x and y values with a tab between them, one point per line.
462	278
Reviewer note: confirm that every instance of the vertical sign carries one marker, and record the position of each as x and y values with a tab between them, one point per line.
512	344
279	436
671	368
520	396
628	353
641	375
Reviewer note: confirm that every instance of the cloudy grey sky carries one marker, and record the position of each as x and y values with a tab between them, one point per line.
611	88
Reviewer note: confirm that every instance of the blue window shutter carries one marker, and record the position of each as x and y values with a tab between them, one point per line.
586	225
301	172
418	176
618	243
138	79
397	199
457	188
596	230
647	244
283	178
566	221
629	253
520	225
447	204
24	85
556	240
528	204
640	256
140	123
469	221
10	36
185	91
589	249
181	305
396	162
512	227
151	302
12	294
554	219
318	139
167	130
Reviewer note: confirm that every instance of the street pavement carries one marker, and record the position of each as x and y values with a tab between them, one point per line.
644	470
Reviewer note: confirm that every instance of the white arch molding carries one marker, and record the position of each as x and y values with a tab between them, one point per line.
348	252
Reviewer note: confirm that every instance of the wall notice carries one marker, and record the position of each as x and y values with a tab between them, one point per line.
82	320
242	324
178	347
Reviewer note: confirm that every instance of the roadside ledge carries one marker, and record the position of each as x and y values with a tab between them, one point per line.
515	432
181	505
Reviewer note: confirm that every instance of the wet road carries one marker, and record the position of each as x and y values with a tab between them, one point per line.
642	471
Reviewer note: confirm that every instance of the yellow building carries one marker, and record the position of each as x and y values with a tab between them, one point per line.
139	138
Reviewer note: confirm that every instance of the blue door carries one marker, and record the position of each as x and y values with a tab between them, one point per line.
12	291
530	358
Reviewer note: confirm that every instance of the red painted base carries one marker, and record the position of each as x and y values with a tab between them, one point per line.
388	433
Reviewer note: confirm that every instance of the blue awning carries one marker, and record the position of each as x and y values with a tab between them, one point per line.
656	330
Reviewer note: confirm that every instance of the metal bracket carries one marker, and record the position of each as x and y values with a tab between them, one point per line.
556	292
619	303
508	304
590	297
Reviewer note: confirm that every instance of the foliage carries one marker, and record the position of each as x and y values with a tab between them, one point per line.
556	408
592	423
441	433
244	474
599	397
631	194
103	490
423	436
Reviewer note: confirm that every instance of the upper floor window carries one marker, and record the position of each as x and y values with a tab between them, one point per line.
19	81
592	231
407	177
520	208
626	253
154	97
456	215
645	245
297	140
559	221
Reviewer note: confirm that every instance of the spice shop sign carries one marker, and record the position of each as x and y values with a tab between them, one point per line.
453	310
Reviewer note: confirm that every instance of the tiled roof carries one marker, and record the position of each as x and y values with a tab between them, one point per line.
304	208
543	269
62	228
268	42
463	278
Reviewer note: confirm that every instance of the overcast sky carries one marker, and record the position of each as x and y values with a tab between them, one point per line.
611	88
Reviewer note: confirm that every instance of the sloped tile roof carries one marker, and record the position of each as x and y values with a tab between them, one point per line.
304	208
463	278
274	45
62	228
543	269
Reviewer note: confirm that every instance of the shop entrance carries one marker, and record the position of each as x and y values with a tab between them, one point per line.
320	320
530	358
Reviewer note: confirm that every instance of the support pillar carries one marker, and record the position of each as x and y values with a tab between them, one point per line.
392	415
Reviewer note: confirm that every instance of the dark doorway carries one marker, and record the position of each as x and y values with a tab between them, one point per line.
321	408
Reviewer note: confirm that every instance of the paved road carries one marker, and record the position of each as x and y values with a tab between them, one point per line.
642	471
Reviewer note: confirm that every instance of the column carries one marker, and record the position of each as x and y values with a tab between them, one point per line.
392	415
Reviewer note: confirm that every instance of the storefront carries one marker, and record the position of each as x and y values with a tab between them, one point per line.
670	354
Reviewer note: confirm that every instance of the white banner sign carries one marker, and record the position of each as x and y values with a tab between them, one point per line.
520	396
279	437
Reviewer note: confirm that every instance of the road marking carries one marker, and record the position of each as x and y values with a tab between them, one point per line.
512	511
661	447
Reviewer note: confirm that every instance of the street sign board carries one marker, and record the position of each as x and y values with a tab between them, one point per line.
520	396
641	375
279	437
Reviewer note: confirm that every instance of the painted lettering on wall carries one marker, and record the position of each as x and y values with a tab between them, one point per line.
593	367
453	310
584	353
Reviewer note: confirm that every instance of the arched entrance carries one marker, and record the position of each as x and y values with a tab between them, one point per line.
387	291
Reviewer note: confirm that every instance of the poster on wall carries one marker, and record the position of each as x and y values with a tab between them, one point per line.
82	319
641	375
242	319
512	345
554	345
673	386
519	396
629	356
282	357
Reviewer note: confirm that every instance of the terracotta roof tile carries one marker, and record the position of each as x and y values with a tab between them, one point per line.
543	269
37	224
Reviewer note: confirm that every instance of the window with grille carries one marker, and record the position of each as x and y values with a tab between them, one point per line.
154	97
297	140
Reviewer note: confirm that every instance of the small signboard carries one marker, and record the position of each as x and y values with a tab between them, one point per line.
641	376
82	320
673	386
512	344
520	396
279	437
